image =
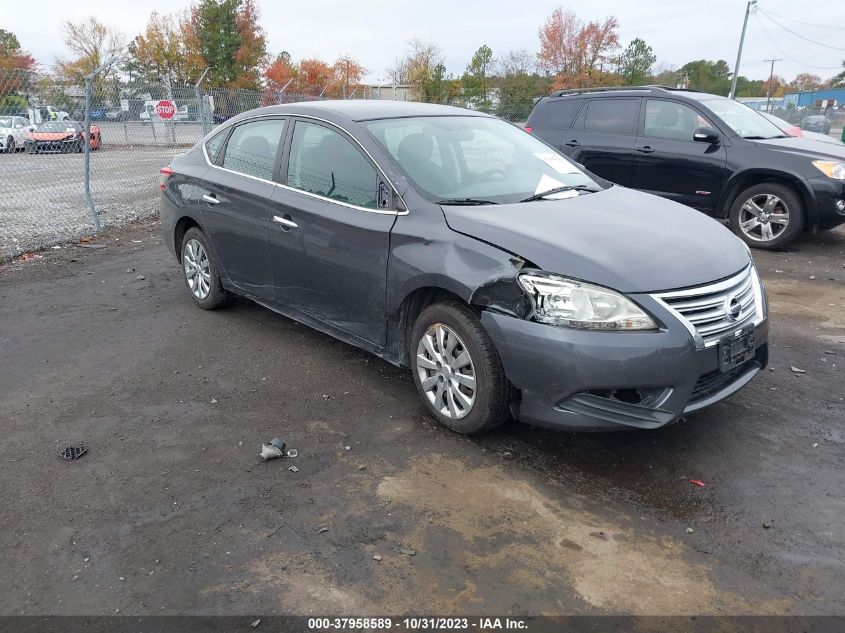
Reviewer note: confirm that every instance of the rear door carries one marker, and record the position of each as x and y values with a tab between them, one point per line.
602	138
669	163
330	232
236	202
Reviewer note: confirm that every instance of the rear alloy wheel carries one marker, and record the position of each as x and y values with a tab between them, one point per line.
457	370
767	216
199	268
10	145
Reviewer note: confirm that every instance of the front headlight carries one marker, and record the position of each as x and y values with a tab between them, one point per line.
560	301
831	168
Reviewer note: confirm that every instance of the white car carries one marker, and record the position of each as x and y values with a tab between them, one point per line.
13	131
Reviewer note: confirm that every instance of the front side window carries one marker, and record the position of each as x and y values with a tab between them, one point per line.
672	120
324	162
252	148
471	157
612	116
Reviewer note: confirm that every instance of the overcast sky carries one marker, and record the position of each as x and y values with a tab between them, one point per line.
377	31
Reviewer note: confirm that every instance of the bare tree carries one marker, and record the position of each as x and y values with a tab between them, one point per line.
91	43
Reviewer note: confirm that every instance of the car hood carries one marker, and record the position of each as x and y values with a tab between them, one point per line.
619	238
50	136
804	146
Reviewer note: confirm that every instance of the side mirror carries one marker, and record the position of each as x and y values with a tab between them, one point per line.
705	135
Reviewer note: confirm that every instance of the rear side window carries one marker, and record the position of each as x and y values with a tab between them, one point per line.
612	116
561	112
215	143
324	162
252	148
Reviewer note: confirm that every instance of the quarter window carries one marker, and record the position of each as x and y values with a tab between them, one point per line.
562	112
668	119
612	116
324	162
252	148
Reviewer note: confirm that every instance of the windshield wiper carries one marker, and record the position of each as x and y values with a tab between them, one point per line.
465	201
549	192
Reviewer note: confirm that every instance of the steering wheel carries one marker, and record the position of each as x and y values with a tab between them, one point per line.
485	177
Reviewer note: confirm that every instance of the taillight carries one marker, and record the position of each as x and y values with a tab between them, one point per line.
163	174
528	129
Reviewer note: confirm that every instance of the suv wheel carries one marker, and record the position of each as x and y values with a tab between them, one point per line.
767	215
457	370
199	269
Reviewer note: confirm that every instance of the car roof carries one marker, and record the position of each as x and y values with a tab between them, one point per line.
364	109
631	91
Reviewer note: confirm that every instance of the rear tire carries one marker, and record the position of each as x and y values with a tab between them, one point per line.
200	271
458	364
767	216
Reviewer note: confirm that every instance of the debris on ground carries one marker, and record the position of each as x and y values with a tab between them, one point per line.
830	351
27	257
90	246
362	467
600	534
796	370
275	529
347	448
140	277
766	525
255	623
293	469
322	528
376	557
408	551
689	530
214	401
73	452
275	448
292	452
697	482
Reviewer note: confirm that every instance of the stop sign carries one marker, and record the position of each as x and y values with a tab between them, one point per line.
165	109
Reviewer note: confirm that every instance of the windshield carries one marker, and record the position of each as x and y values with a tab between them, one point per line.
742	119
475	159
57	126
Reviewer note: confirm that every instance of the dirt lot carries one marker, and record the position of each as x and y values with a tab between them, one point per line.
171	510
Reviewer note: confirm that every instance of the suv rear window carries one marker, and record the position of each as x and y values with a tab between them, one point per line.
561	112
613	116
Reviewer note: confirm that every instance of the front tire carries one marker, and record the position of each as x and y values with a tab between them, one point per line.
767	216
200	272
457	370
10	145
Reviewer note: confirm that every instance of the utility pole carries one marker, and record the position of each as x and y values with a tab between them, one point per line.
771	75
751	3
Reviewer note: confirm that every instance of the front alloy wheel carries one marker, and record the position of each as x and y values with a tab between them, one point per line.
446	372
768	215
457	370
10	145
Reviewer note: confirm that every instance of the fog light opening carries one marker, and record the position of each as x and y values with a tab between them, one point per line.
840	206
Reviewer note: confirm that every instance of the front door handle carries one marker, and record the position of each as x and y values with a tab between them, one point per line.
573	143
645	149
210	199
285	222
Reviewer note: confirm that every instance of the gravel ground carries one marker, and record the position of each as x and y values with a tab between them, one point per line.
172	512
43	202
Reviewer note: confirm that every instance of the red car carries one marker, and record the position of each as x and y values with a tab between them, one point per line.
61	136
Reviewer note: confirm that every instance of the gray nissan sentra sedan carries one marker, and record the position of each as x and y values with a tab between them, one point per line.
506	277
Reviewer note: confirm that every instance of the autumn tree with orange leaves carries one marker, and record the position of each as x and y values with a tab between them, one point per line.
314	76
576	53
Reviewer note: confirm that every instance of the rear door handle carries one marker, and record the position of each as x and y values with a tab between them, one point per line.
210	199
645	149
573	143
285	222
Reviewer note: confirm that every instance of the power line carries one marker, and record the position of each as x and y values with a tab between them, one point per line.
818	26
798	35
788	56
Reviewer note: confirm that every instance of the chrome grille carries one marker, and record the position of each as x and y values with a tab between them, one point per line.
705	310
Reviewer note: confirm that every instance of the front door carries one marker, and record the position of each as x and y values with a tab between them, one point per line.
329	240
236	203
669	163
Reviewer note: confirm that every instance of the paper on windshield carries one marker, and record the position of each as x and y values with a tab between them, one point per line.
547	183
557	162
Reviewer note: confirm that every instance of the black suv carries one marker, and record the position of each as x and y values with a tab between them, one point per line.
703	150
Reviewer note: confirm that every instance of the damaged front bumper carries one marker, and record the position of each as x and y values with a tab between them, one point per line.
587	380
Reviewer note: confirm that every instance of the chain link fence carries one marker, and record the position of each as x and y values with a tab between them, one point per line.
62	180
